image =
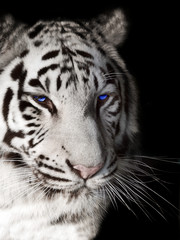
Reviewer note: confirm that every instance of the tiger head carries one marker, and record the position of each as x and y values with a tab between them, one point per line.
68	103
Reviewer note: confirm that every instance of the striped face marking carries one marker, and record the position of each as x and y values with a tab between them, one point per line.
66	106
67	85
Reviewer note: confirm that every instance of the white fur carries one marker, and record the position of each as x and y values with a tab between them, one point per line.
29	217
75	132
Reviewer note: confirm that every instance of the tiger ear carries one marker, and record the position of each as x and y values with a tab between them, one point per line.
7	24
112	26
10	35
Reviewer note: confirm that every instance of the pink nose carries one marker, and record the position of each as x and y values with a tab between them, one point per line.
87	172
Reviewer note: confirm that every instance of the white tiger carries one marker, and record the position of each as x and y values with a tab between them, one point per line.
68	114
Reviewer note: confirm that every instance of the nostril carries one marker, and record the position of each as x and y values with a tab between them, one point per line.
87	172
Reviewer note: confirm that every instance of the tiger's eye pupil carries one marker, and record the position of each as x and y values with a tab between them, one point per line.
40	99
103	97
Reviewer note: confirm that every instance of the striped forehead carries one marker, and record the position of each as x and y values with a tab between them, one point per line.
56	57
53	68
66	63
44	33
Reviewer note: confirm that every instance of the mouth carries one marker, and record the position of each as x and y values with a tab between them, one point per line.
70	193
56	185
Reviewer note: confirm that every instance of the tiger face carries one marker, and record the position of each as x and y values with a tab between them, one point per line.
67	105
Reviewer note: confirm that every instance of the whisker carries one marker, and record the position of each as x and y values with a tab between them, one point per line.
100	198
42	193
22	192
135	199
114	74
110	195
165	159
141	169
16	174
131	172
139	196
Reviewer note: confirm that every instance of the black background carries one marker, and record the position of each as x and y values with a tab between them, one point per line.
150	53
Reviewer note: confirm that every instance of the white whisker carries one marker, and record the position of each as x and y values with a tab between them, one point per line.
113	74
131	183
110	195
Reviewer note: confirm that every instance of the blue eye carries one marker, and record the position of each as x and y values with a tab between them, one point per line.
103	97
40	99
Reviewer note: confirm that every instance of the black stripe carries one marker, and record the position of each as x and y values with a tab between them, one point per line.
31	144
54	178
83	66
47	83
37	43
85	80
96	82
84	54
39	131
115	98
6	102
31	132
58	82
67	51
51	54
40	164
99	48
40	136
28	117
83	37
114	113
36	83
17	71
24	104
71	79
90	64
33	125
45	69
24	53
65	69
11	156
10	135
36	30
